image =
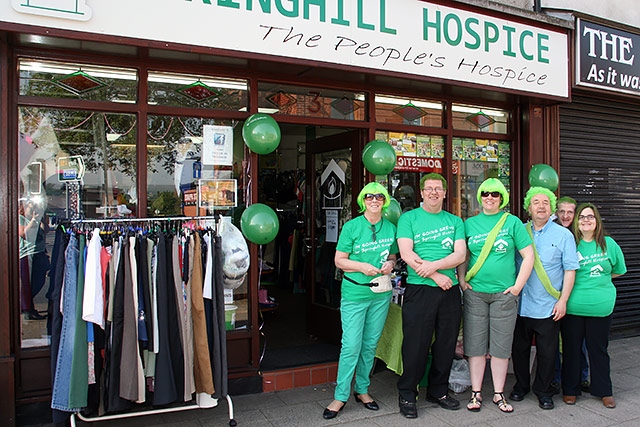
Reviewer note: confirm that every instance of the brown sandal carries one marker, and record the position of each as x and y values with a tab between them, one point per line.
475	403
502	403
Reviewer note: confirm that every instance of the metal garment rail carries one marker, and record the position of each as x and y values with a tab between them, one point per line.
117	220
232	421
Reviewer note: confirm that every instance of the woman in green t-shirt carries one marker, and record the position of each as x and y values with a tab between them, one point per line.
366	249
491	292
590	307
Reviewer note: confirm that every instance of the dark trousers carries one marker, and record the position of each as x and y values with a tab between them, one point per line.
545	332
427	310
595	331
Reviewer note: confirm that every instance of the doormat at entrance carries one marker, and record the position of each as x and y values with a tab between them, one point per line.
292	357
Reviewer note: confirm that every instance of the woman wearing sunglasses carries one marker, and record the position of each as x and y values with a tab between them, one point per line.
590	307
366	249
491	286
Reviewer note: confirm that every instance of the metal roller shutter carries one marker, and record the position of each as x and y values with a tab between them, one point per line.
600	163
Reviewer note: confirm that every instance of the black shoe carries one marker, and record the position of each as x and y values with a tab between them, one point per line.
33	315
369	405
517	396
545	402
555	387
445	402
408	409
329	414
585	386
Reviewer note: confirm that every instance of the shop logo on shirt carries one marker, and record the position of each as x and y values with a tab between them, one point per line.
447	243
501	246
66	9
596	271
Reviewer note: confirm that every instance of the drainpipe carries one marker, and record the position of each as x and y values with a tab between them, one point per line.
537	6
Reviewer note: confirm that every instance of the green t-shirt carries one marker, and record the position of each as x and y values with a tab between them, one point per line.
499	269
433	236
356	239
593	292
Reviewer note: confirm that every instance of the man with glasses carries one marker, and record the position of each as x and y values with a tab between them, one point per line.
432	243
543	300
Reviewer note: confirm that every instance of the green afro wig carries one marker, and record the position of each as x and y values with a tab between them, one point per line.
533	191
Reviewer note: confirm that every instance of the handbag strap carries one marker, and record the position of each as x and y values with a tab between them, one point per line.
357	283
486	248
540	271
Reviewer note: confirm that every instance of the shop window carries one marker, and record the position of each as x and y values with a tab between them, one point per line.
77	81
416	154
410	111
73	164
197	91
311	102
194	169
480	119
475	160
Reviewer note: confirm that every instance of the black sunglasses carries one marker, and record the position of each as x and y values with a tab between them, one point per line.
495	194
369	197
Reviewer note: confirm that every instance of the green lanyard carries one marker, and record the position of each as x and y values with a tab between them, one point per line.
486	248
537	265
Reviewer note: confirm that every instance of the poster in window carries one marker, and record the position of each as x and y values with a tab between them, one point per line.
219	193
217	145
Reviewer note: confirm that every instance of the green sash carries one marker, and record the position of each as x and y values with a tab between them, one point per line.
537	265
488	245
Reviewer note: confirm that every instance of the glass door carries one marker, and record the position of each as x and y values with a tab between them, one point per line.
331	201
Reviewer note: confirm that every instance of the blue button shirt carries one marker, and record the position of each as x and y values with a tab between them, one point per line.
556	247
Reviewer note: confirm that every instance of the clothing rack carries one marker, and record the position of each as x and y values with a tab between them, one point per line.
159	219
232	421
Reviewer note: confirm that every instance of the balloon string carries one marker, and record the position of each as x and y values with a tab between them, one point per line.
248	173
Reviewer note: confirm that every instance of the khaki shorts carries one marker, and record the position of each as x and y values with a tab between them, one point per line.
489	321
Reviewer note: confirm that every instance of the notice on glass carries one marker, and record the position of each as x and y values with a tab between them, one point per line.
332	226
217	145
218	193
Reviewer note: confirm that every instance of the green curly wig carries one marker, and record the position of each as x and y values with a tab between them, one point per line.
533	191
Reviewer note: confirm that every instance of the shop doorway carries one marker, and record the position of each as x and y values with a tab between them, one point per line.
299	295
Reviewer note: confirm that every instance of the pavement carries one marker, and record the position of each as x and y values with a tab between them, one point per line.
303	406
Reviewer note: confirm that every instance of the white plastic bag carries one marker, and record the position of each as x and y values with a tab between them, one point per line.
459	378
235	255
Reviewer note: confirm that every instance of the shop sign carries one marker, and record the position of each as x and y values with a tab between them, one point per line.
413	37
605	58
418	164
70	168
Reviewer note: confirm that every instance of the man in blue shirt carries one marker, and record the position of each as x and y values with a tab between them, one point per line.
543	299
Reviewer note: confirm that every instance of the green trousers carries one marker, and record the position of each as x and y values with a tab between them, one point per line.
362	324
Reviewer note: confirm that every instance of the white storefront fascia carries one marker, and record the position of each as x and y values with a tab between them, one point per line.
403	36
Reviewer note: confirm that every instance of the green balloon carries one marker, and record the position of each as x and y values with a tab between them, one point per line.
542	175
259	224
379	157
393	211
261	133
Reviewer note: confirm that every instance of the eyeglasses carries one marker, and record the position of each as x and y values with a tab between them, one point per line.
369	197
431	190
373	233
588	217
494	194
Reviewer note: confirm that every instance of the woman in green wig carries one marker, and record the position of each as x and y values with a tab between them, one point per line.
491	286
366	249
